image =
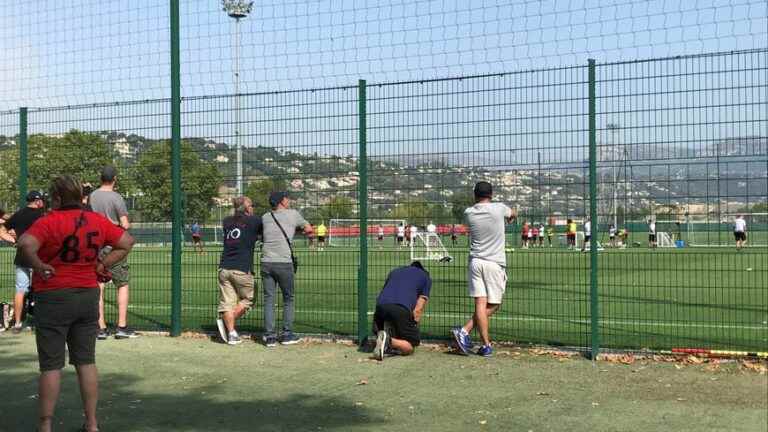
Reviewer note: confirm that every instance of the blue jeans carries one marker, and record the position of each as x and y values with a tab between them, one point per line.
272	275
23	279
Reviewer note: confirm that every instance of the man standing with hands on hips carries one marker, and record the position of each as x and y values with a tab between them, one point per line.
278	264
487	272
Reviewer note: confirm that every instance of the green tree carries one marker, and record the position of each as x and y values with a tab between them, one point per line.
258	191
415	210
338	207
459	203
76	153
152	176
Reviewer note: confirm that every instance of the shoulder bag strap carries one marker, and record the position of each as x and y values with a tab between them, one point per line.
290	246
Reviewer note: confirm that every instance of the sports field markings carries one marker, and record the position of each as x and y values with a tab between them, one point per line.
499	318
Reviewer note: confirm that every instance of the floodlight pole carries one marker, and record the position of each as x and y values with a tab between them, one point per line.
237	9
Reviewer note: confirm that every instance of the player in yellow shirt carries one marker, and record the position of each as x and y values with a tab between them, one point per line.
571	235
321	231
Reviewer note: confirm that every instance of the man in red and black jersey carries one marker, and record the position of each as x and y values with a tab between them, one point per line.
63	249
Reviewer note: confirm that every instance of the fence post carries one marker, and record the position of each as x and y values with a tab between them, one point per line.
362	186
23	157
593	216
175	172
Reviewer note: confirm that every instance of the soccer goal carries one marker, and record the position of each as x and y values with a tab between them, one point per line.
428	247
346	232
563	239
710	231
664	240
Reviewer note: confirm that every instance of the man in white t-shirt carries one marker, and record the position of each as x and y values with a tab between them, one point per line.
487	265
587	234
400	234
431	228
740	231
651	233
612	235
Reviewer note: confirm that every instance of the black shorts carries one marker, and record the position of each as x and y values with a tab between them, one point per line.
321	239
740	236
587	238
196	239
381	238
399	239
651	237
66	316
402	320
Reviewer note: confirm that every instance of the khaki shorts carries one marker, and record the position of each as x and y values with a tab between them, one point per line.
235	287
120	274
487	279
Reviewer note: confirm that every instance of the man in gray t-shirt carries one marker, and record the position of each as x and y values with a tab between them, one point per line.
109	203
487	274
277	264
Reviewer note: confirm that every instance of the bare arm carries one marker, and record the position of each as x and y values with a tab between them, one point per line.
419	309
124	223
119	250
7	235
308	229
29	246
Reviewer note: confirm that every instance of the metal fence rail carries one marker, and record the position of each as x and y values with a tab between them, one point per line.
682	142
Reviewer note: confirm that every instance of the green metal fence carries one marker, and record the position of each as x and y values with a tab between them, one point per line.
681	142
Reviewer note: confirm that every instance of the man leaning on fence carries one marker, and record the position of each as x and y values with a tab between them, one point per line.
236	268
398	310
109	203
487	272
278	265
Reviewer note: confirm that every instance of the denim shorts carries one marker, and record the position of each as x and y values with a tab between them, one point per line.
23	279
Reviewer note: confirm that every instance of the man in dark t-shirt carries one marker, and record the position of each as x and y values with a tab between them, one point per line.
236	268
15	227
399	308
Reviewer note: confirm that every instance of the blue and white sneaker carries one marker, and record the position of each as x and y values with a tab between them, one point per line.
288	338
485	351
463	341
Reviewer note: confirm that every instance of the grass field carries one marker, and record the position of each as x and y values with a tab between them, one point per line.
180	384
657	299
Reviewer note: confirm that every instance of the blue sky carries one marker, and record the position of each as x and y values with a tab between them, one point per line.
84	51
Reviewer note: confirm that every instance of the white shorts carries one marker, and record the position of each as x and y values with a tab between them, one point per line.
487	279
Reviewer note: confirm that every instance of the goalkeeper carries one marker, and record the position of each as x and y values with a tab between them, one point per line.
399	308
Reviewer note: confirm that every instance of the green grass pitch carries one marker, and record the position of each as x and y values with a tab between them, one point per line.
665	298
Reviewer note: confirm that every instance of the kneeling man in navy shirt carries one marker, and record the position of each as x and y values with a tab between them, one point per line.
399	308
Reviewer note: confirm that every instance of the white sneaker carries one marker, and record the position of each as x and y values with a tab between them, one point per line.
222	330
381	345
234	339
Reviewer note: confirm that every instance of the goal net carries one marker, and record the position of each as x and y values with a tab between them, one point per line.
711	231
346	232
428	247
563	239
664	240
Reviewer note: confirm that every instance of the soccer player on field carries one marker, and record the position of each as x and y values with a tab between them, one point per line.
380	235
587	234
524	235
612	235
550	233
453	234
651	233
321	232
197	242
412	233
541	235
740	231
400	234
399	308
487	265
533	234
431	228
571	234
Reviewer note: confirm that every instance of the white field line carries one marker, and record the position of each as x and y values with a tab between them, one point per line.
500	318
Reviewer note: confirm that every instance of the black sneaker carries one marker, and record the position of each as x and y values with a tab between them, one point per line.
125	333
270	341
288	338
103	334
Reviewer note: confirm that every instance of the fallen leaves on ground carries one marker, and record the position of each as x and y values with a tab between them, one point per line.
363	381
755	366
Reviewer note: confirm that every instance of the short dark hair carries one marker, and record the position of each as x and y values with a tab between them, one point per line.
418	265
483	189
108	174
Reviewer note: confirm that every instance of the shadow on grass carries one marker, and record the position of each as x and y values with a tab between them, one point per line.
124	407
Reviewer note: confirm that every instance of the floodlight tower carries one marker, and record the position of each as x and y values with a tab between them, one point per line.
237	9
